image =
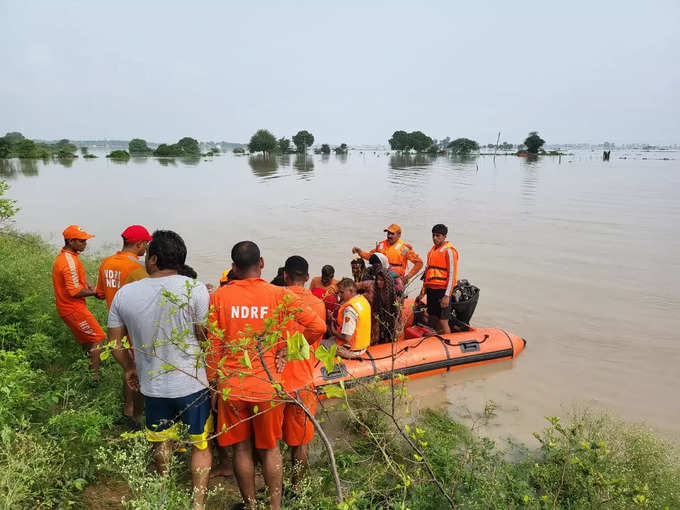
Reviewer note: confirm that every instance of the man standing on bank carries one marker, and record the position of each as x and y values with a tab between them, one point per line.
397	251
245	395
70	290
163	317
441	277
114	272
298	376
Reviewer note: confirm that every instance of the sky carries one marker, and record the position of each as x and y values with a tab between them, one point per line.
577	71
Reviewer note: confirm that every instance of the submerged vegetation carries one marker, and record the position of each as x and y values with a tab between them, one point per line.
15	145
60	445
119	154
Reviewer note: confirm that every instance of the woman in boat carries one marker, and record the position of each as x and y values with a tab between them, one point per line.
382	296
358	269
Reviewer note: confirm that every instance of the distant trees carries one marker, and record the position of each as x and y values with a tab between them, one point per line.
238	150
534	142
416	140
342	149
119	154
506	146
284	145
187	146
263	141
138	146
463	146
325	149
83	150
302	140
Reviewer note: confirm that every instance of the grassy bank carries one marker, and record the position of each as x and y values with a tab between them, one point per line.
60	445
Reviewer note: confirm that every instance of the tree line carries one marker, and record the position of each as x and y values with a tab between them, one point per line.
419	142
16	145
264	141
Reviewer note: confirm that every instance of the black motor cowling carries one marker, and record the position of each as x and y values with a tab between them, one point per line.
463	302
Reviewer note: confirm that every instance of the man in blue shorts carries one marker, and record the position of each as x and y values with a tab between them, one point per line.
163	317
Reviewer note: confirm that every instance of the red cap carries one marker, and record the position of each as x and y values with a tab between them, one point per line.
136	234
75	232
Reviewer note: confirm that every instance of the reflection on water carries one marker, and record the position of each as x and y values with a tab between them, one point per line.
29	167
190	160
400	160
167	161
263	165
139	160
341	157
304	165
284	159
65	162
8	169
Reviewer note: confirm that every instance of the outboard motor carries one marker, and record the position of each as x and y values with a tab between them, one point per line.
463	303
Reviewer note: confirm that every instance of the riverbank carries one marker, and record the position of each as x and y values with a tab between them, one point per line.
60	444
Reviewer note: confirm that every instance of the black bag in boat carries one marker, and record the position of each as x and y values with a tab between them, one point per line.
463	302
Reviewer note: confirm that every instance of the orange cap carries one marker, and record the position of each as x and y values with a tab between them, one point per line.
393	228
75	232
225	276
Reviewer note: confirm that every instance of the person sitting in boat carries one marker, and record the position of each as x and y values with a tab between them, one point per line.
378	262
352	328
441	276
398	252
324	284
385	311
358	268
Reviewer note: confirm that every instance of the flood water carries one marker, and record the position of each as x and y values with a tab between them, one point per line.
580	257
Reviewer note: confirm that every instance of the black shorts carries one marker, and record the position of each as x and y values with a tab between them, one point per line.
434	307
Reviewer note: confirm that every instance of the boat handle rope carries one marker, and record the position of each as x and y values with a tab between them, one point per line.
439	337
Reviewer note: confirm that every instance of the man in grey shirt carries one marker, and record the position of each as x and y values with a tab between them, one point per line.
163	317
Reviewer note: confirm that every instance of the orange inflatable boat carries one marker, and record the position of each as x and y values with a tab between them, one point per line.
426	355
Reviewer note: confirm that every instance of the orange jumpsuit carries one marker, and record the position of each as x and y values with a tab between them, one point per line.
298	376
236	308
117	270
68	278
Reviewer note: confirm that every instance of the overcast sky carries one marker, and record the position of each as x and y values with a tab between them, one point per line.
347	71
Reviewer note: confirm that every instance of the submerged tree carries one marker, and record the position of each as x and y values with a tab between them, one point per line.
325	149
302	140
463	146
403	141
284	145
263	141
138	146
534	142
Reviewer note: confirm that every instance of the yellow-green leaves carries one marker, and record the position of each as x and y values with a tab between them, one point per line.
245	360
327	356
335	391
297	347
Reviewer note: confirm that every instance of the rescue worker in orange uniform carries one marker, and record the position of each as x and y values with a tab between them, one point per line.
114	272
70	290
397	251
441	277
124	266
298	376
240	310
352	328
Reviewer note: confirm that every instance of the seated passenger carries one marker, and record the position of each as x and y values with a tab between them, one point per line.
325	282
352	328
385	312
358	268
278	279
379	262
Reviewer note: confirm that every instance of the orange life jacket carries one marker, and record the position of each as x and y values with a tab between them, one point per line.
437	272
396	255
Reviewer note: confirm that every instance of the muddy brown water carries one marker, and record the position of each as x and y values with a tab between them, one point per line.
579	256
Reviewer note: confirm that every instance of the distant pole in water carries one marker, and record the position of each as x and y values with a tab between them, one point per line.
605	155
497	140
